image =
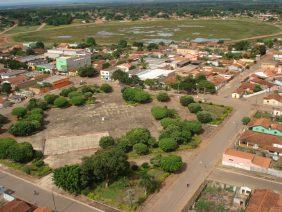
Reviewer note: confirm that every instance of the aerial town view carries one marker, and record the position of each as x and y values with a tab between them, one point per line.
147	106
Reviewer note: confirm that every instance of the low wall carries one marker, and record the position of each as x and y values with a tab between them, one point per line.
257	93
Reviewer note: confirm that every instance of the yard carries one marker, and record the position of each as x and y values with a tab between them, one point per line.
147	31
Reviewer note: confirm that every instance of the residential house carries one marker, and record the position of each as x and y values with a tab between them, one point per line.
273	99
245	88
264	200
266	126
124	67
271	144
12	73
16	81
244	160
51	83
107	73
17	205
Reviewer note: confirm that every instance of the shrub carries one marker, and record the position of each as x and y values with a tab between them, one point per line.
5	143
3	120
194	126
136	95
77	100
178	133
86	89
166	122
50	98
168	144
163	97
87	72
171	163
156	161
186	100
124	145
69	178
204	117
65	92
37	111
141	149
24	127
162	112
106	88
73	94
20	112
21	152
139	135
88	95
194	107
61	102
106	141
246	120
37	103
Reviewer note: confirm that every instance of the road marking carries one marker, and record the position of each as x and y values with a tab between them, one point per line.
246	175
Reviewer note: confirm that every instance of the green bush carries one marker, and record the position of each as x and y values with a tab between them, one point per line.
186	100
65	92
20	112
77	100
178	133
73	94
106	88
163	97
50	98
37	111
87	72
37	103
106	141
204	116
87	95
194	107
162	112
156	161
24	128
165	122
5	143
141	149
139	135
61	102
246	120
194	126
21	152
168	144
171	163
135	95
3	120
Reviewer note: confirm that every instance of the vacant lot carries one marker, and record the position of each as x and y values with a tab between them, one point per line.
148	31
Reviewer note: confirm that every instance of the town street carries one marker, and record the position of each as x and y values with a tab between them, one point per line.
245	178
174	196
40	197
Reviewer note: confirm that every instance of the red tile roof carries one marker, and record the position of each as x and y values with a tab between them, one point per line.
16	206
274	96
264	141
257	160
263	200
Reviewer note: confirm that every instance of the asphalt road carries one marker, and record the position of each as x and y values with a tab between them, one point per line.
244	178
174	197
25	191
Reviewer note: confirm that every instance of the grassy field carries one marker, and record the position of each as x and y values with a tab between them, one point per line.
148	31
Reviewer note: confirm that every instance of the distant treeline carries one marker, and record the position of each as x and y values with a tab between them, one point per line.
91	12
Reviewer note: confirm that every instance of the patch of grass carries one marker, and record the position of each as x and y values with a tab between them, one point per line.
219	112
163	29
30	168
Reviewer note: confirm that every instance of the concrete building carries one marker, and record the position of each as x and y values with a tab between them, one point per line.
107	73
67	63
244	160
273	100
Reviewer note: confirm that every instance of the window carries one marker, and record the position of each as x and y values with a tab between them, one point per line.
230	159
